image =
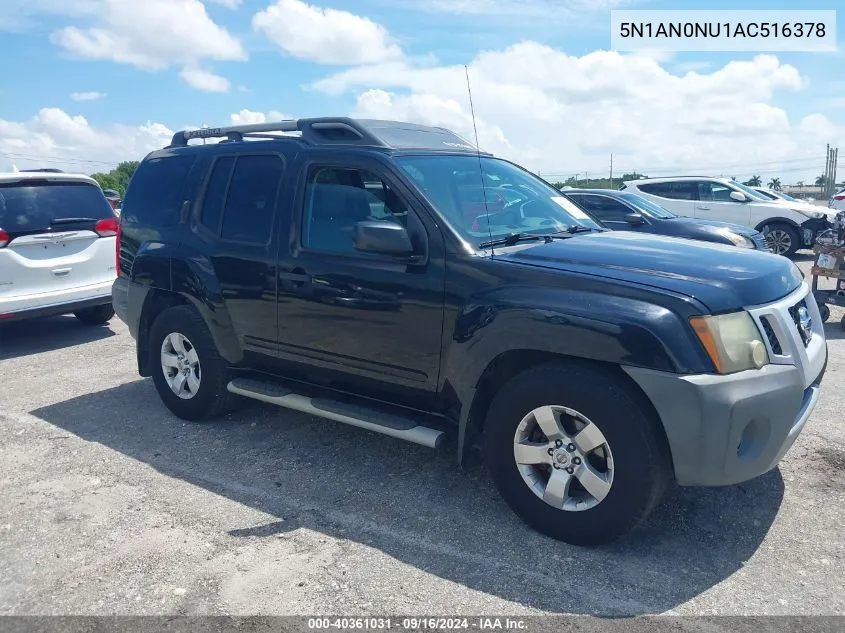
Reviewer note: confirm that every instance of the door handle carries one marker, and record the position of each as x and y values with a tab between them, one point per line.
703	207
60	272
297	277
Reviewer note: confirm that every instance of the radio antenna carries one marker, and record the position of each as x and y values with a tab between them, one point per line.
478	153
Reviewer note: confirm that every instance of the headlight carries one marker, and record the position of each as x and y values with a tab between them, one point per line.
738	240
732	341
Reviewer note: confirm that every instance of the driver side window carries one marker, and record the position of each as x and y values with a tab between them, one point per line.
714	192
337	198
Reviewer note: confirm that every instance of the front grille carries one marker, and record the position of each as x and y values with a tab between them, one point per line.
771	336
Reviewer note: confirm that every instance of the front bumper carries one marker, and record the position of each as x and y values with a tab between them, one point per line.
723	430
726	429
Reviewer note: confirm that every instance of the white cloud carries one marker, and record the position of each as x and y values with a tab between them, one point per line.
547	10
325	36
54	138
150	35
87	96
204	80
562	113
246	117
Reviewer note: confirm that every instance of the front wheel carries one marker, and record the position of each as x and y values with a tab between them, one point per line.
824	312
574	453
783	239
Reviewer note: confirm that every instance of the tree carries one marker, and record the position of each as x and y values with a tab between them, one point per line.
754	181
633	176
774	183
117	178
821	181
800	184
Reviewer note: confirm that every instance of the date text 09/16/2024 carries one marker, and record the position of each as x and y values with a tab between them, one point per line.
416	623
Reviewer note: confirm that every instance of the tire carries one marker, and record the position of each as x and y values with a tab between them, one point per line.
98	315
639	457
204	394
783	239
842	323
824	312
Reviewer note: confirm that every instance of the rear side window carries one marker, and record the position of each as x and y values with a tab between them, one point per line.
42	204
156	191
240	199
672	190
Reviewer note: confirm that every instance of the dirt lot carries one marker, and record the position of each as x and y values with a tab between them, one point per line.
109	504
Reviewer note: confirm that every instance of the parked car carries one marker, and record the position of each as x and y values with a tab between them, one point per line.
787	227
837	201
57	247
623	211
594	368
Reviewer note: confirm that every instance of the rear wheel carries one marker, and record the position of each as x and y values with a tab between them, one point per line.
189	373
98	315
824	312
783	239
574	454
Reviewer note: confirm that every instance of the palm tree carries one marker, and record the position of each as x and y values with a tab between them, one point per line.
821	181
754	181
774	183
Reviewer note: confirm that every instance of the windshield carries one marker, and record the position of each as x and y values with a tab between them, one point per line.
511	200
647	206
34	206
753	194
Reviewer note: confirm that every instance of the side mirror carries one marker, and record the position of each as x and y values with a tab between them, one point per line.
634	218
738	196
382	238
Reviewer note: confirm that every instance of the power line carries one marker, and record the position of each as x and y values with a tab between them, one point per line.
64	159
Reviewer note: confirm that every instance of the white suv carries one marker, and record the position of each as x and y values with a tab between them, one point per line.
787	228
57	247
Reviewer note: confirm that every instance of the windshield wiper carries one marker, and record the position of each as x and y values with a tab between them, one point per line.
511	240
515	238
70	220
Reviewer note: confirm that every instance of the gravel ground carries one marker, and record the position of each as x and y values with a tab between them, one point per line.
110	505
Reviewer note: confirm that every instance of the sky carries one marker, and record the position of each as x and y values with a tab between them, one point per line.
89	83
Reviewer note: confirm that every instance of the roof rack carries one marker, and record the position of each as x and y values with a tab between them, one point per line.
338	131
318	131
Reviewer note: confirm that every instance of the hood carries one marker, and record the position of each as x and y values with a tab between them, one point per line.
805	207
723	278
714	224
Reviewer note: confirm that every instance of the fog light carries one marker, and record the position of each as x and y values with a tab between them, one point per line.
759	356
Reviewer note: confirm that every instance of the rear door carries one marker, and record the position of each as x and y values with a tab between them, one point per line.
54	244
235	224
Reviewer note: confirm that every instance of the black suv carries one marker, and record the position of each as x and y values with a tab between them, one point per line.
391	276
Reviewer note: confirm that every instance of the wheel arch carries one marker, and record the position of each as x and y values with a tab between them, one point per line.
511	363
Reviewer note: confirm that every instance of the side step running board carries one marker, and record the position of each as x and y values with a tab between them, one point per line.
370	419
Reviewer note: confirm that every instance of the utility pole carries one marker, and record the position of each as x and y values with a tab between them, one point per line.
611	170
826	168
833	173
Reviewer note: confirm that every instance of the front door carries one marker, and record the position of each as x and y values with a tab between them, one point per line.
715	203
356	321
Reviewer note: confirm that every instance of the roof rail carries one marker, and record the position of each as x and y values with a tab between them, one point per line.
328	130
46	170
